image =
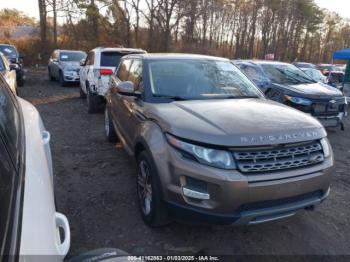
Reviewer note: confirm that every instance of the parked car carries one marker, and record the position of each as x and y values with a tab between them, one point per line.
334	74
29	223
304	65
315	75
64	66
209	147
8	71
290	86
15	58
96	71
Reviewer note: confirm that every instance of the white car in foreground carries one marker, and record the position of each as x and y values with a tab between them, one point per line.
29	223
95	72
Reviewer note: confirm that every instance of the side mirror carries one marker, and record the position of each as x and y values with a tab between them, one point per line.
14	67
126	88
55	60
82	62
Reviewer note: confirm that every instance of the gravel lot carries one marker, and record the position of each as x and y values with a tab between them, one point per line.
95	188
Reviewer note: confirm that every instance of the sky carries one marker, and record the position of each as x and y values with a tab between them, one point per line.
30	7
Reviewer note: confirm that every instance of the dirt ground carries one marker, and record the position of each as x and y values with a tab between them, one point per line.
95	189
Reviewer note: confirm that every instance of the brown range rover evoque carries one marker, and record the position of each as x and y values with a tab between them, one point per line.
209	147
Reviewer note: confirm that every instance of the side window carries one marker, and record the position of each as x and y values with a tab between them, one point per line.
123	70
7	184
9	121
135	74
2	65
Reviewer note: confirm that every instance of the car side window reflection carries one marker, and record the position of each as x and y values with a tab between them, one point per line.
9	121
123	70
135	74
7	177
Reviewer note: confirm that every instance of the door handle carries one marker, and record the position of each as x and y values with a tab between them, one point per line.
46	137
62	222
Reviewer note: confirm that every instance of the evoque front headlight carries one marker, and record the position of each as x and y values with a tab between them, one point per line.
207	156
326	147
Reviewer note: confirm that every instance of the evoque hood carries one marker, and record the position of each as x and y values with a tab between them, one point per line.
241	122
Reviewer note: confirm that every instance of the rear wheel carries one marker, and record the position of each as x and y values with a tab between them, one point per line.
148	192
92	102
109	128
82	94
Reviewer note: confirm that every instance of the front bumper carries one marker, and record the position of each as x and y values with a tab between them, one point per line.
236	198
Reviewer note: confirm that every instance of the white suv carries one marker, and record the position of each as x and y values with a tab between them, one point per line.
95	72
29	223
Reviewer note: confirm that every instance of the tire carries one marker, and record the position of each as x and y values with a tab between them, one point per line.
51	78
149	194
61	80
92	102
20	81
109	129
82	94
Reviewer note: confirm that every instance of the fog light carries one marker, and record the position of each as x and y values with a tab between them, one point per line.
195	194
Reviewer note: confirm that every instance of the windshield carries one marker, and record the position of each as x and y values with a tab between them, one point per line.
254	72
286	74
314	74
305	65
199	79
8	51
72	56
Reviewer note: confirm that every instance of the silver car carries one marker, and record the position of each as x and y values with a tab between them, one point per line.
64	66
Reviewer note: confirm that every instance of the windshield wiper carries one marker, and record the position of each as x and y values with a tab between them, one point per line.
175	98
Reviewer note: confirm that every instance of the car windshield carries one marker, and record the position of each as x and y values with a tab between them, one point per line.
199	79
314	74
304	65
286	74
72	56
8	51
254	72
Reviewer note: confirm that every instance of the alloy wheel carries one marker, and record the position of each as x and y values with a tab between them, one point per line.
144	187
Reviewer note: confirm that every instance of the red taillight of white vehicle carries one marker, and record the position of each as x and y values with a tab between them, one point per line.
104	72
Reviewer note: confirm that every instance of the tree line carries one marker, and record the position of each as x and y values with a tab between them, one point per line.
291	30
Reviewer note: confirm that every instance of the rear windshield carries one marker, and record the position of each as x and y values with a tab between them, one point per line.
8	51
72	56
111	59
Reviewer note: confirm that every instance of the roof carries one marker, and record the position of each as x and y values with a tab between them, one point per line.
260	62
118	49
165	56
342	54
71	51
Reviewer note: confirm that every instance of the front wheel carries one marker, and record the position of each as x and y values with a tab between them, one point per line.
109	128
61	80
148	192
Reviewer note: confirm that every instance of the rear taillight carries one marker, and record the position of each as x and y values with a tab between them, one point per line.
106	72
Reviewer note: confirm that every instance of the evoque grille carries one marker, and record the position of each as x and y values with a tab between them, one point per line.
280	158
